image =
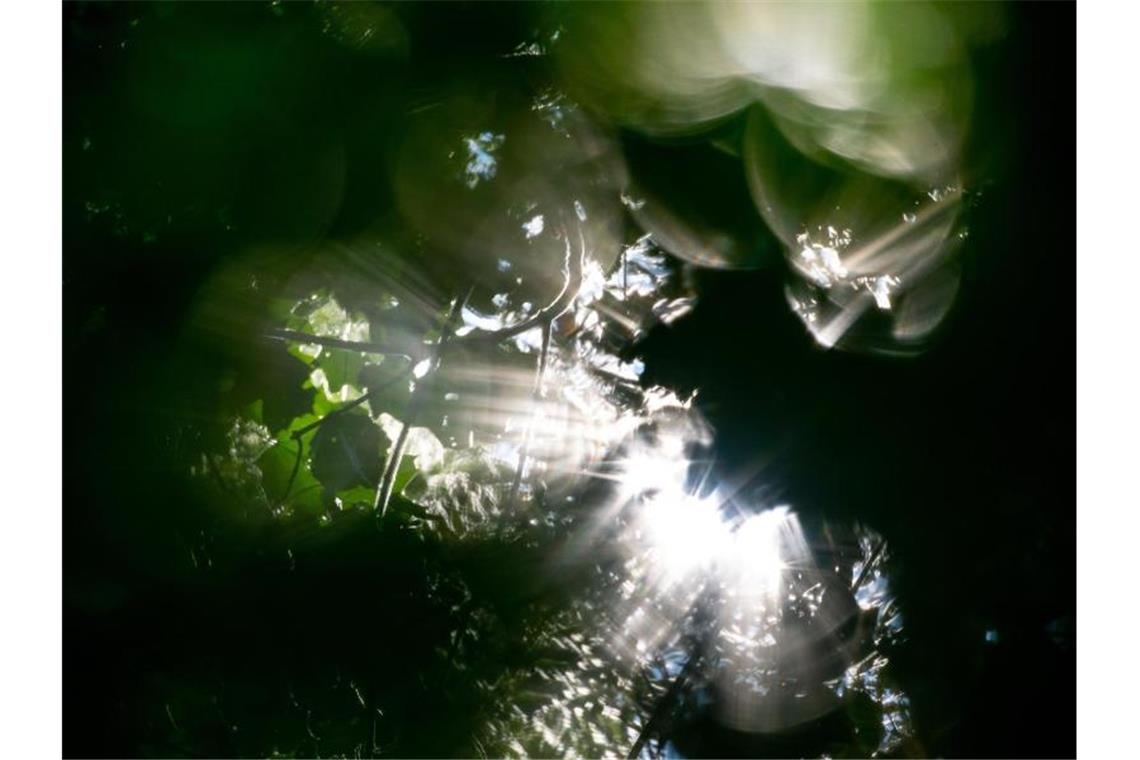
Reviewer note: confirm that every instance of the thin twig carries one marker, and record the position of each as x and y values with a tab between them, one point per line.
702	613
556	309
277	333
296	467
869	563
341	410
524	448
392	467
663	706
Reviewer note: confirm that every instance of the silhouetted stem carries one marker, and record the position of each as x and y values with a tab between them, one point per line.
545	318
392	467
703	615
341	410
869	564
296	467
524	449
663	706
322	340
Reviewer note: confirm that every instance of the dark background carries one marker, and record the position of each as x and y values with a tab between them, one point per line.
963	458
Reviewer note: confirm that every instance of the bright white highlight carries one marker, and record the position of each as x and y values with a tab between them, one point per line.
684	535
758	550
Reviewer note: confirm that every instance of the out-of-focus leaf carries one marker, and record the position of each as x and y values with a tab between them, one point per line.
337	373
388	384
346	452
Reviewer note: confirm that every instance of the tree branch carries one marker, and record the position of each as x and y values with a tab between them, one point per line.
572	284
277	333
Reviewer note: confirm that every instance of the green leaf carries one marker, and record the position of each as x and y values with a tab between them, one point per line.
357	497
276	464
336	372
346	452
407	478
